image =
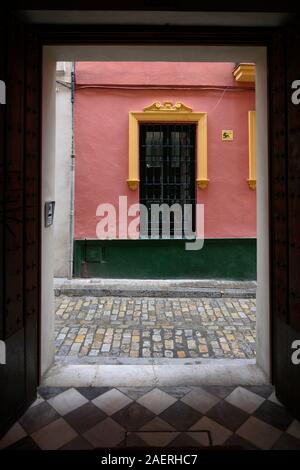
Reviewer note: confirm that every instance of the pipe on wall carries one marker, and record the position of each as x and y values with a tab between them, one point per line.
72	179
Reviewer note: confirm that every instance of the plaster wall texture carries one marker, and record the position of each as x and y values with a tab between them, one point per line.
105	94
63	145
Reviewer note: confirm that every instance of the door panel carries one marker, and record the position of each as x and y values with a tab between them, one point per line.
2	176
285	216
32	212
20	220
293	73
14	183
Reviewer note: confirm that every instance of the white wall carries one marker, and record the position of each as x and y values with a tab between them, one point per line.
63	145
205	54
48	194
263	331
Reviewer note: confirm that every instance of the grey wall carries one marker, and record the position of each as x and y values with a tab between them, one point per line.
63	144
48	194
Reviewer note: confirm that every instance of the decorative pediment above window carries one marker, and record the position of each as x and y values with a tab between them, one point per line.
168	106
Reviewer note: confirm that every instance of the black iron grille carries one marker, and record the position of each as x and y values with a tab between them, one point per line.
167	175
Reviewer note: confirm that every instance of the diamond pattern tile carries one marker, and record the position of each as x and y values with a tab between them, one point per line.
15	433
245	400
156	401
89	417
227	415
85	417
27	443
133	440
67	401
259	433
38	416
157	424
219	434
92	392
54	435
112	401
200	436
133	416
294	429
274	414
219	390
238	441
50	392
158	439
135	392
263	390
108	433
274	399
180	415
38	401
184	440
287	442
176	392
200	400
79	443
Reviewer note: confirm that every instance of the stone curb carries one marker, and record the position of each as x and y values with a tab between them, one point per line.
188	292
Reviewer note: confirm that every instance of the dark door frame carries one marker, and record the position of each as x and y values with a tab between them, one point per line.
282	161
283	180
137	35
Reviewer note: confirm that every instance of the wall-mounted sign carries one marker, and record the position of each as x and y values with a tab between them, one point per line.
49	213
227	135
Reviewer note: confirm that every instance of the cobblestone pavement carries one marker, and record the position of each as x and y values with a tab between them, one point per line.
155	327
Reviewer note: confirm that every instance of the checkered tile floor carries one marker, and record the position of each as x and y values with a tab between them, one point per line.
89	417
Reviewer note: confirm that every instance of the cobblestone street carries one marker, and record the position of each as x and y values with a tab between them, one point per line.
155	327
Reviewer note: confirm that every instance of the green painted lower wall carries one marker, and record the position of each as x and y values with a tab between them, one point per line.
165	259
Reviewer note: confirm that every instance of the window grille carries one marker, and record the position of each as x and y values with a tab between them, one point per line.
167	176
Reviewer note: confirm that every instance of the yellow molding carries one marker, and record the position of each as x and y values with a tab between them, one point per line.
167	106
133	184
244	73
252	149
202	183
175	113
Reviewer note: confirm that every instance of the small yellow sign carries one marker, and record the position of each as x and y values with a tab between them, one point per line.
227	135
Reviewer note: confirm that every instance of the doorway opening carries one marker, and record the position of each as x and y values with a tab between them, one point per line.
117	343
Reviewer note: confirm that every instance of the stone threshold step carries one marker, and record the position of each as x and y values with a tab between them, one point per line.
154	288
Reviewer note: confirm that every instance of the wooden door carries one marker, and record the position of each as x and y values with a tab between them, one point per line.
285	215
19	209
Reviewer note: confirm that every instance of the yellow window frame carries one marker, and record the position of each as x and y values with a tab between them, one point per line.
252	149
167	112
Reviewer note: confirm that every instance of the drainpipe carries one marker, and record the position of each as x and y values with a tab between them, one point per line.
72	178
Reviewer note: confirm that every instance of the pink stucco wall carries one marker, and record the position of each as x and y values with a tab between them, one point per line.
155	73
101	138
